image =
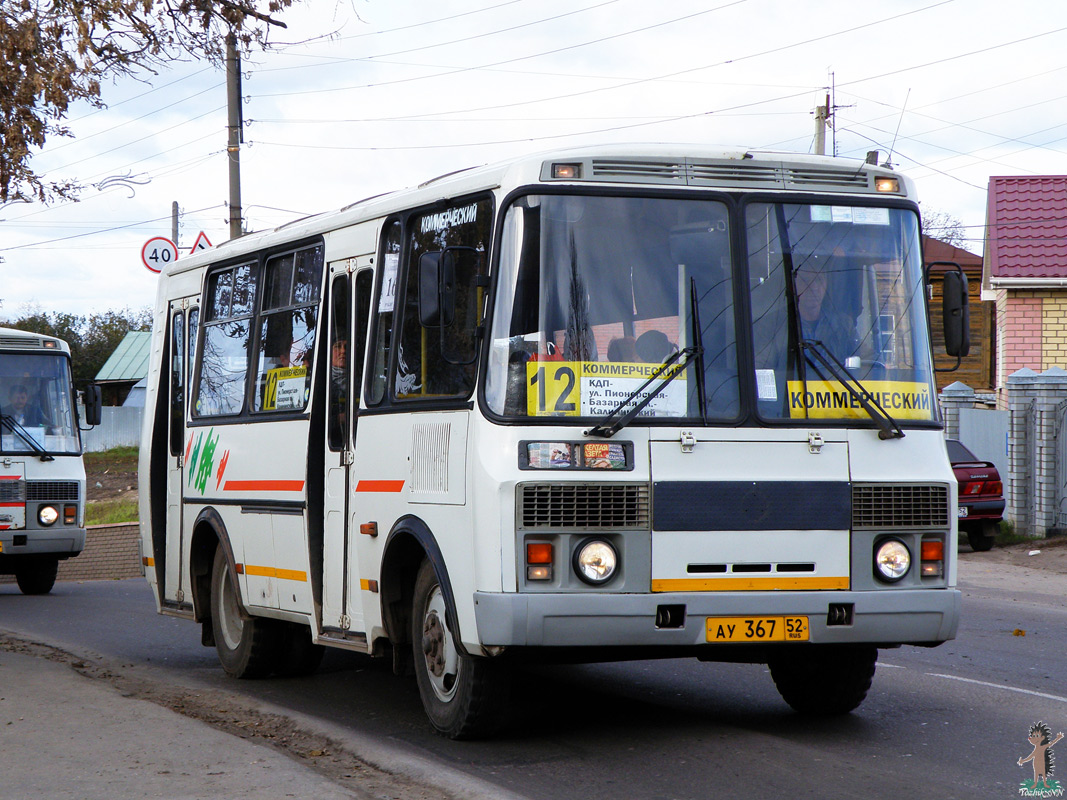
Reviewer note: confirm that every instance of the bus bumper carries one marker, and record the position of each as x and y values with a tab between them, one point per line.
891	617
59	542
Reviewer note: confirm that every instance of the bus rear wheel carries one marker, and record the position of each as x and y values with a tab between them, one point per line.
464	696
825	680
37	576
248	647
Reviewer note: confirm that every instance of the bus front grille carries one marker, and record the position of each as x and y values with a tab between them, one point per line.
583	506
890	506
55	491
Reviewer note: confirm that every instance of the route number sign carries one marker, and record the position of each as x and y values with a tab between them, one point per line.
158	252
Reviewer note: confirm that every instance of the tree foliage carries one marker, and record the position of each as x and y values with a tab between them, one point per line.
56	52
92	338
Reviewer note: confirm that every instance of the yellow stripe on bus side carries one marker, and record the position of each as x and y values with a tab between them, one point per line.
748	584
271	572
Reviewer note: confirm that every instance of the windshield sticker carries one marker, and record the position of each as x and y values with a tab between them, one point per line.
392	262
831	400
858	215
766	385
592	388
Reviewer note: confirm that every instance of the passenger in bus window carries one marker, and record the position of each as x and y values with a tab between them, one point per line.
22	410
654	347
623	348
820	321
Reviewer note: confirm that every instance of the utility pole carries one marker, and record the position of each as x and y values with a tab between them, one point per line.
174	224
822	115
234	132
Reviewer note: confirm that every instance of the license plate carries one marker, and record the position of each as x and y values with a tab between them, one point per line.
757	629
962	511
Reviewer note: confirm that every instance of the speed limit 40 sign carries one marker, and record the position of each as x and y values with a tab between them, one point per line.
158	252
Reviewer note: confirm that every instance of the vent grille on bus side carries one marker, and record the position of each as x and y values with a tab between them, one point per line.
749	174
52	490
899	506
12	491
18	341
627	169
584	506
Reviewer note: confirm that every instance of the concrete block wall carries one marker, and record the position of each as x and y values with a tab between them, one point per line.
111	553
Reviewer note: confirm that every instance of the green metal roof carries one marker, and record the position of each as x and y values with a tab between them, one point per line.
129	362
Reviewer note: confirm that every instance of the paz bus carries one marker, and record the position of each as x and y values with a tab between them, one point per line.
42	479
606	403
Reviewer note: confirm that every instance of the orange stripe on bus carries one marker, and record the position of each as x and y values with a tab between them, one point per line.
749	584
380	486
272	572
263	486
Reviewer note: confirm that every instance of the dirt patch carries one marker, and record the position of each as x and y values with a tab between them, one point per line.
230	714
1045	554
111	475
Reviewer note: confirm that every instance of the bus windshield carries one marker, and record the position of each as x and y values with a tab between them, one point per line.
36	404
595	294
837	299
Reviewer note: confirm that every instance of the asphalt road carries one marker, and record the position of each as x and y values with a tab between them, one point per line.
949	722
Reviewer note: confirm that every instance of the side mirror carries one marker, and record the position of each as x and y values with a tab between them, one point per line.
956	314
437	293
93	404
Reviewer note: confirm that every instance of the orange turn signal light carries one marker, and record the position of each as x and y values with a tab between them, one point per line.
933	551
538	553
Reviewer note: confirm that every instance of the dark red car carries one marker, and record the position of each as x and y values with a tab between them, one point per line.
981	495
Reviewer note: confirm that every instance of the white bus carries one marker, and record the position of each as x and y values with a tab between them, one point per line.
42	479
616	402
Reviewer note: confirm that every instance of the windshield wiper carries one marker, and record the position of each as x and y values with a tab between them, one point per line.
23	434
887	426
609	426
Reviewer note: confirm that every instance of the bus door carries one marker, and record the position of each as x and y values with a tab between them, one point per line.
183	319
349	304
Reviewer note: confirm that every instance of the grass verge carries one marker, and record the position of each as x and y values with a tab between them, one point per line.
110	512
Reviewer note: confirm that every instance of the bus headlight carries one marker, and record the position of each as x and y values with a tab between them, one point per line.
47	515
595	561
891	560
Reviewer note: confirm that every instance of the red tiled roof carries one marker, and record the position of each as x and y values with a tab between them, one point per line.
1027	227
936	250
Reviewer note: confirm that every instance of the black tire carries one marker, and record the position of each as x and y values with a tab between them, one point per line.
248	647
982	538
38	576
825	680
299	655
465	697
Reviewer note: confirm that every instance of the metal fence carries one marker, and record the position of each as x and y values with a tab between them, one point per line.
120	426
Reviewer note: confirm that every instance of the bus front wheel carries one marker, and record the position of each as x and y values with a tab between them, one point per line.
37	576
825	680
248	647
464	696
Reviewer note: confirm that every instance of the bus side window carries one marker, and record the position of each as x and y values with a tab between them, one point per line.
177	383
291	287
436	360
340	349
383	325
364	284
230	298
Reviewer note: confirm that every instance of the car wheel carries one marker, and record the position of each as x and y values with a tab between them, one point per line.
984	537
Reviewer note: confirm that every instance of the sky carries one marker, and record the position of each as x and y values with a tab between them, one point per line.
360	97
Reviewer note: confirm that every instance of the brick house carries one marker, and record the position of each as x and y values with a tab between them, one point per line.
1025	273
977	369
